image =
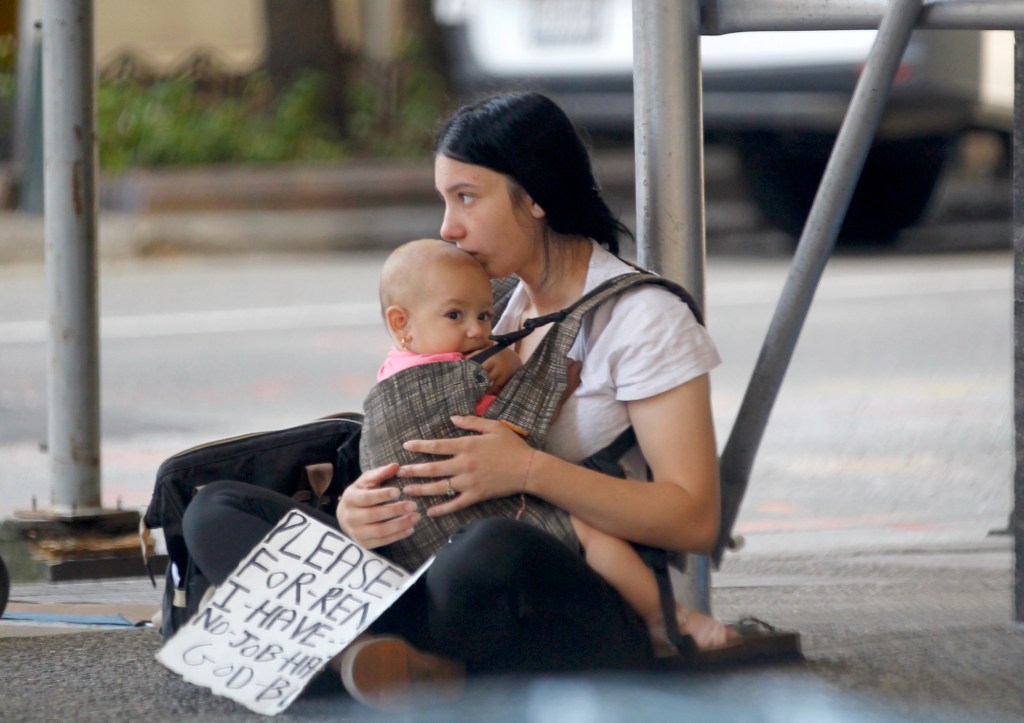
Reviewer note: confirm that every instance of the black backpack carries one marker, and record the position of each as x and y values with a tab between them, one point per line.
312	462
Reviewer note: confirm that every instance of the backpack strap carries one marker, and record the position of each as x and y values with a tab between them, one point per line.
532	395
503	341
607	459
618	284
656	558
577	310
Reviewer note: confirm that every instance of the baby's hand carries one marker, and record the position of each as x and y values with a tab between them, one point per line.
500	368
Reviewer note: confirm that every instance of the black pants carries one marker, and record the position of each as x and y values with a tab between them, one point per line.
502	596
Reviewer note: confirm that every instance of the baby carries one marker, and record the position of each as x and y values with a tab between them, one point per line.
437	304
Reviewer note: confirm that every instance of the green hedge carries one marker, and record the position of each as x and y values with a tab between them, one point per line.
176	122
172	123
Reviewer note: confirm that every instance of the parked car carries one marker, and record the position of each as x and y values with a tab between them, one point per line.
777	97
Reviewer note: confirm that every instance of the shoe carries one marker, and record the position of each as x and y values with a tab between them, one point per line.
387	673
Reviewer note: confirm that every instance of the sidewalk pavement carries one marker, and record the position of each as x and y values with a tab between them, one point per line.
888	635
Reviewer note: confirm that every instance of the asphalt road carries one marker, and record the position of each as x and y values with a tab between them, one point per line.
893	427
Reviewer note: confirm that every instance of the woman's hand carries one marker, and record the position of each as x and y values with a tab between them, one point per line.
373	515
492	463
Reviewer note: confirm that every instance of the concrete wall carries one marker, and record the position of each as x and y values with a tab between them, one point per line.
164	34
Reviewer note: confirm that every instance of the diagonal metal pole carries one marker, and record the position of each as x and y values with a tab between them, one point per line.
815	247
1017	516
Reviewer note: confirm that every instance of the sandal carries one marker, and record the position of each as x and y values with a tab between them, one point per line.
755	640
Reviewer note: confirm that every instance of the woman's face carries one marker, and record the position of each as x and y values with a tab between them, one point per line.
481	218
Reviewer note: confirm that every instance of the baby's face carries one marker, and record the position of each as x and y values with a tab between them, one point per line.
454	312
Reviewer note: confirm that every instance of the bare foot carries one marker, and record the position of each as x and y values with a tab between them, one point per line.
704	629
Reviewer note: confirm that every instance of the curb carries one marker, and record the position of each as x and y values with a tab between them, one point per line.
356	206
123	235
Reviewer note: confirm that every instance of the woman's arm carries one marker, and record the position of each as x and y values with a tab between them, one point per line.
679	510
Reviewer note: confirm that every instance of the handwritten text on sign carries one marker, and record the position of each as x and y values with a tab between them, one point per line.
295	602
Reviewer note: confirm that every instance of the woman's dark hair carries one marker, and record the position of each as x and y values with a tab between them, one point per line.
526	136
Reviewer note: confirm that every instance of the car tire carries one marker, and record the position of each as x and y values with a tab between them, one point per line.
782	174
5	586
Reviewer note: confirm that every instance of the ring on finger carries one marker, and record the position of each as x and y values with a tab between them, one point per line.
451	490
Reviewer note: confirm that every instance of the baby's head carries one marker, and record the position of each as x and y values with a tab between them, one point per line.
436	298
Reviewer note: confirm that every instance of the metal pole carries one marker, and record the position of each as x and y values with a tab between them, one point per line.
733	16
27	149
669	147
71	259
669	140
1017	517
816	243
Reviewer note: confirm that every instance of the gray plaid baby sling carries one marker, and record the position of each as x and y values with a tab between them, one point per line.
417	403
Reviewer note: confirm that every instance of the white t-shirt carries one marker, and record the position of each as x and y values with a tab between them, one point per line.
634	346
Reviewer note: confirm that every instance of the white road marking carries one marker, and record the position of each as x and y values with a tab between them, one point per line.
841	287
836	287
210	322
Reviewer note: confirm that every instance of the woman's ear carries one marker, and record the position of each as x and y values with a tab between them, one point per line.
536	211
397	319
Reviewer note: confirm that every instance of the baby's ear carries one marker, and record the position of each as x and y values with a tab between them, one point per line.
396	318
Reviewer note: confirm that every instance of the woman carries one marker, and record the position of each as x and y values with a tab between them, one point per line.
520	197
502	596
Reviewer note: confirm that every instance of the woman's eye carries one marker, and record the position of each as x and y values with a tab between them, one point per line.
465	198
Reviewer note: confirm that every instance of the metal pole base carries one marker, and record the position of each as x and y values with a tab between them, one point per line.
40	545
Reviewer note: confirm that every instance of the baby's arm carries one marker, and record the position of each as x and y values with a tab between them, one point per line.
500	367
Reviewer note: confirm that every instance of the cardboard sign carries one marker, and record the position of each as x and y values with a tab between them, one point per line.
303	594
